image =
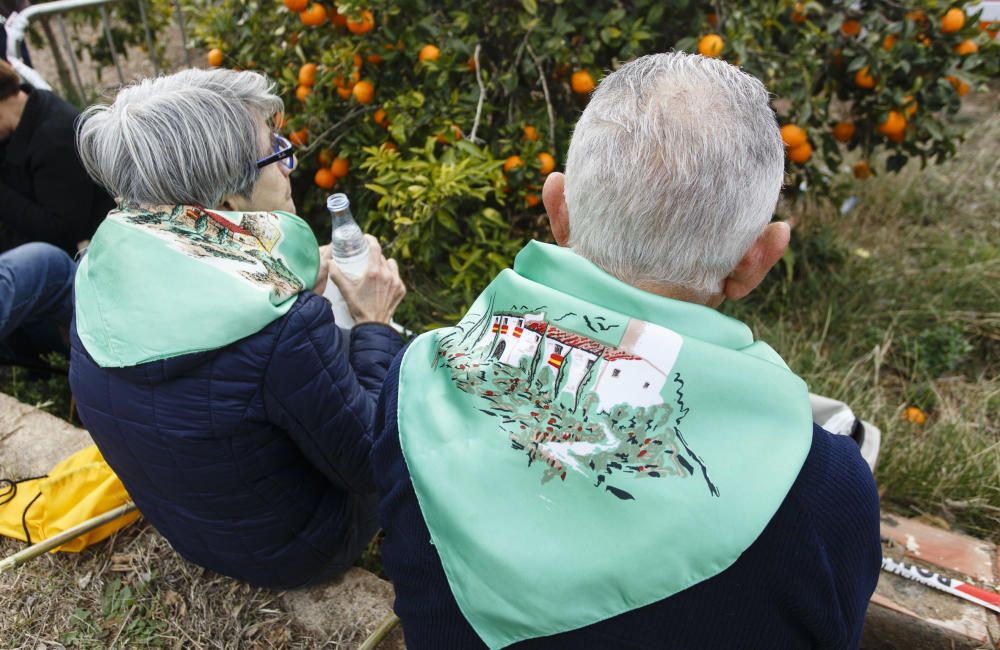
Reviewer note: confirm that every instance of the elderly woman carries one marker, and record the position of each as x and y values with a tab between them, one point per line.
205	365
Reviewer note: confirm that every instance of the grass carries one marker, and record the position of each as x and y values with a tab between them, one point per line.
893	305
897	304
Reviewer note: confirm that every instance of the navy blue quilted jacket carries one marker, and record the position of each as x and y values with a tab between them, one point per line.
252	460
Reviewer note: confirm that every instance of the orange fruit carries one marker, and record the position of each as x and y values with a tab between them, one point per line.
582	83
953	20
375	59
850	27
798	15
363	25
530	133
429	53
914	415
547	163
303	92
215	57
863	79
456	134
712	19
793	136
390	146
471	64
910	106
893	125
325	157
299	138
862	170
338	19
917	16
960	86
888	42
532	200
296	5
837	56
711	45
314	15
966	48
325	178
989	28
512	163
801	153
339	167
380	118
843	131
364	92
307	74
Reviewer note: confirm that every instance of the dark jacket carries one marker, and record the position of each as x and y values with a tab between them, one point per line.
249	459
45	193
804	583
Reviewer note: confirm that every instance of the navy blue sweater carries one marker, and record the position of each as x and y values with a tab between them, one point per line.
252	460
804	583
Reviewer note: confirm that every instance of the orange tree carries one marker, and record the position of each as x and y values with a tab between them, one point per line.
441	118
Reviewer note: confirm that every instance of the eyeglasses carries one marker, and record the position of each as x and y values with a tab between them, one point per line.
284	152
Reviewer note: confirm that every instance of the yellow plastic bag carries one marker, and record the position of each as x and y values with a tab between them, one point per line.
77	489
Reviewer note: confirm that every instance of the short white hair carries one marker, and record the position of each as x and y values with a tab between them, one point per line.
674	170
189	138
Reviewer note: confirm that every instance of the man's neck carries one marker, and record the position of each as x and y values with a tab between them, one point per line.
12	108
680	293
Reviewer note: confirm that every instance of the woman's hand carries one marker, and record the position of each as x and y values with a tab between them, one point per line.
324	270
373	297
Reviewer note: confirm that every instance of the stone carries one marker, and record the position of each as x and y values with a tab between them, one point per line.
32	441
345	611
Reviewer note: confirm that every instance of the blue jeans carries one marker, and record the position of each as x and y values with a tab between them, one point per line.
36	302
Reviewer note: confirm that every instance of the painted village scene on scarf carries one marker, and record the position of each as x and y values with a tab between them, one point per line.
574	405
519	210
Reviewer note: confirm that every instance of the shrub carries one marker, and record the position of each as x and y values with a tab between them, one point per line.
442	108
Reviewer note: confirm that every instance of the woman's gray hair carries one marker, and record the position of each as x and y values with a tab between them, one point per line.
189	138
674	170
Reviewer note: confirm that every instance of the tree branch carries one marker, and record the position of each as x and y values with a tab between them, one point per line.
548	99
482	97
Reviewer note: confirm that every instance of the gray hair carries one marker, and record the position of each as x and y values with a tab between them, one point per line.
673	171
188	138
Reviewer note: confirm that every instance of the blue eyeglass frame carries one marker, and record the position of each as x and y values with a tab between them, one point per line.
284	152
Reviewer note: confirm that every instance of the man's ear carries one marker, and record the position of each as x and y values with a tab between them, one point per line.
763	254
554	199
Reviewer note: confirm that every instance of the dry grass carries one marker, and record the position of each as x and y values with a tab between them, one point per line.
134	591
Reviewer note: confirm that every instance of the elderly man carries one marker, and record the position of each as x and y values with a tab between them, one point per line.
593	457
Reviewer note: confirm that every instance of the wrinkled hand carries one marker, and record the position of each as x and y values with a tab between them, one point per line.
324	269
373	297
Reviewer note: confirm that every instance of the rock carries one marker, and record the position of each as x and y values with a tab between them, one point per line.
32	441
346	610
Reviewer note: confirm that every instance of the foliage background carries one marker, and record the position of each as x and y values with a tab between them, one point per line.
441	200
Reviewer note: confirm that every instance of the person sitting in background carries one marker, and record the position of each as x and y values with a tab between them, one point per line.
45	192
594	457
205	365
36	304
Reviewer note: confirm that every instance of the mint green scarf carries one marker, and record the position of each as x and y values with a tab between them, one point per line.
168	281
580	448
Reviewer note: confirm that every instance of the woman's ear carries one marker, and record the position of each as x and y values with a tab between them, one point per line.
554	199
763	254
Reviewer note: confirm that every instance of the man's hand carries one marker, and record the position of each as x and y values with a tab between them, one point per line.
373	297
324	270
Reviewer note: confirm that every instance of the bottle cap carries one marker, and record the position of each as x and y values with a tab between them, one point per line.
337	202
